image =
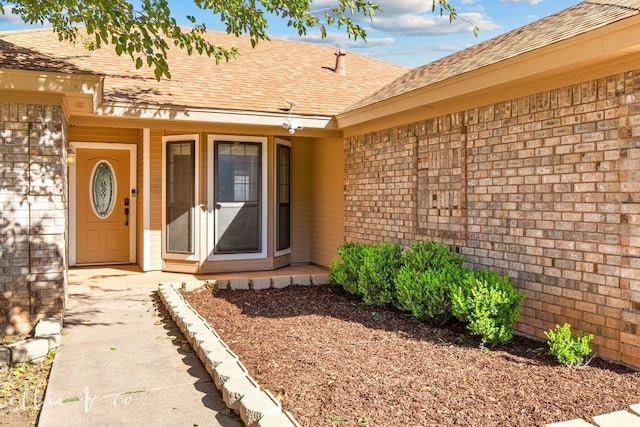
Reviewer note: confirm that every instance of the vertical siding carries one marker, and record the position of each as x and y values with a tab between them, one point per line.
327	204
139	201
155	190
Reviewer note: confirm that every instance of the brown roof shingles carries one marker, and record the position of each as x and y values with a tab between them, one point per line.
563	25
257	80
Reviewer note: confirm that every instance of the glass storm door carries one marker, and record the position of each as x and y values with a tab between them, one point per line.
180	197
238	197
102	206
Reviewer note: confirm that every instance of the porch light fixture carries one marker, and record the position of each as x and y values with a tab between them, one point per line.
71	156
290	123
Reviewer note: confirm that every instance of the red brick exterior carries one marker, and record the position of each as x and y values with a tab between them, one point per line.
33	219
545	188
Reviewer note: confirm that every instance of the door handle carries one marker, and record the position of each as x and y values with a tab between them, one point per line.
126	213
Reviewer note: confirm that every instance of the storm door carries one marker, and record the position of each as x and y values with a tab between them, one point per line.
180	197
238	197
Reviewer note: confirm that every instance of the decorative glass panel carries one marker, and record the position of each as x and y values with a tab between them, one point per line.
103	189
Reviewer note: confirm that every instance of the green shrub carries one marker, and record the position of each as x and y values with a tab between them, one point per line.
379	267
568	349
345	272
430	255
488	303
424	281
425	294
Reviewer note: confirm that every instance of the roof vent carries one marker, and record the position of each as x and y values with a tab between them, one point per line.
341	63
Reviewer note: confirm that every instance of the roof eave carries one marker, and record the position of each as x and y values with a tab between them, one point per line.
208	115
79	93
591	55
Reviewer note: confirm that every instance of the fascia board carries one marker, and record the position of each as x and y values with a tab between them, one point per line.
194	114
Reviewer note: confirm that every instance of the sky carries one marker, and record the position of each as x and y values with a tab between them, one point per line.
405	32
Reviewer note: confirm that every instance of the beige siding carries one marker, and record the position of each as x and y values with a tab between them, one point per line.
139	202
155	190
327	202
301	199
99	134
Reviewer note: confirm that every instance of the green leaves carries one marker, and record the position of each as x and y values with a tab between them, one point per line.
488	303
569	349
429	280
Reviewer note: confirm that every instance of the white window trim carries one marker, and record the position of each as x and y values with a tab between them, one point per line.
196	217
211	212
132	148
287	251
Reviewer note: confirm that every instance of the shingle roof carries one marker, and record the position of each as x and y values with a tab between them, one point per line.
259	79
578	19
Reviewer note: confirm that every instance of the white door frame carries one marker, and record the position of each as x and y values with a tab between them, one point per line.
133	149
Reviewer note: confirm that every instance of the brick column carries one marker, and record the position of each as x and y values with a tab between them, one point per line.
33	216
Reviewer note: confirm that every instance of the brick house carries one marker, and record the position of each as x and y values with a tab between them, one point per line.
520	151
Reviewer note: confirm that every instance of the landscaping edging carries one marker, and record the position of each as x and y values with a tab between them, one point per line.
46	337
240	392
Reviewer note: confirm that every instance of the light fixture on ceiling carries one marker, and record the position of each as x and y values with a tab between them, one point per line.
290	123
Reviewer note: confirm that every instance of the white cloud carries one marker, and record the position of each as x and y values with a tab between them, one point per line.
387	7
521	1
428	24
340	40
8	17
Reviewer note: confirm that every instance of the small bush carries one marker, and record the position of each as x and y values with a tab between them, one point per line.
424	281
568	349
345	272
379	267
488	303
430	255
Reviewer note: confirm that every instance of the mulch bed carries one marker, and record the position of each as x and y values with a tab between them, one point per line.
22	388
333	361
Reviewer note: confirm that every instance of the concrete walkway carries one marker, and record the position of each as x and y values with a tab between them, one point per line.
119	363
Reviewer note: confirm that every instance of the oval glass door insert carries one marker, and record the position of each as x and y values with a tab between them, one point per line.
103	189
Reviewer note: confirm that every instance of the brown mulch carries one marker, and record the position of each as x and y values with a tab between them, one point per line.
333	361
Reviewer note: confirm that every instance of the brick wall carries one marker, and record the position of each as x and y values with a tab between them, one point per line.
544	187
32	215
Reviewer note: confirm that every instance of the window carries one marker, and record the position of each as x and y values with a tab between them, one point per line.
283	197
179	196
